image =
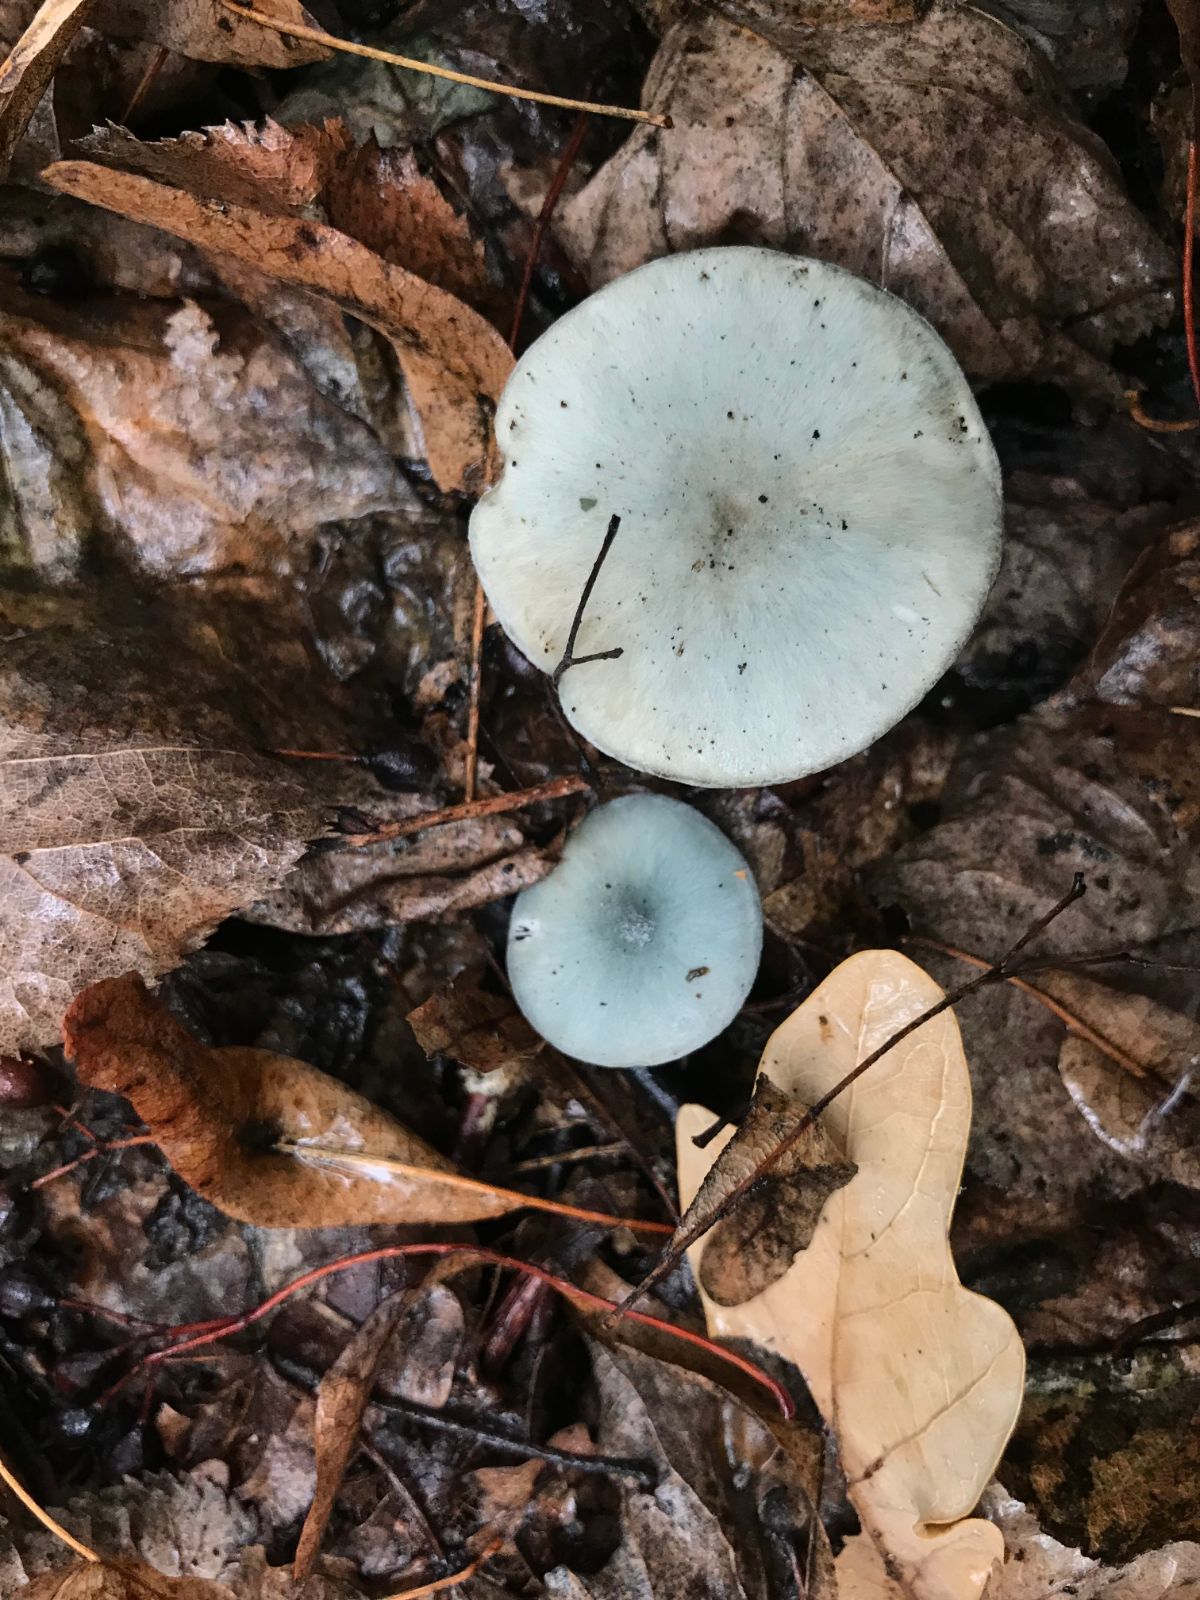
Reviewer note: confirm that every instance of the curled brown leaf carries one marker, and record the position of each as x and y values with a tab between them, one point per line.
454	363
268	1139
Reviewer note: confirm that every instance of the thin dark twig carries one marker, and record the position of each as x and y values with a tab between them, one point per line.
1156	1322
570	659
640	1472
561	173
675	1251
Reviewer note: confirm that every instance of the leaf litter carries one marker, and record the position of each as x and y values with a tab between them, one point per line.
242	408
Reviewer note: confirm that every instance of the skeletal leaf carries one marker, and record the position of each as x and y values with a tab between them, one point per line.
920	1380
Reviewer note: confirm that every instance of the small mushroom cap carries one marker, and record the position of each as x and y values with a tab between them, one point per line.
643	942
810	513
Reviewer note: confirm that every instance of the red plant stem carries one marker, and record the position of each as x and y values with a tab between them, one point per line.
1189	250
553	193
211	1331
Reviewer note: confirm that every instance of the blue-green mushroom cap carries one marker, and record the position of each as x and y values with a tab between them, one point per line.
643	942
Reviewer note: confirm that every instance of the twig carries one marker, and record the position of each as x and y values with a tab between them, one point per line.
640	1472
340	1160
1133	1335
591	1152
561	173
1074	1023
994	974
570	659
1157	424
102	1147
44	1517
296	30
146	82
1189	250
474	689
495	805
452	1579
196	1336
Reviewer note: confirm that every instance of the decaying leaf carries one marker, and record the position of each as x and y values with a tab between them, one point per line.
754	1246
220	1117
379	197
686	1537
441	874
939	159
342	1396
919	1379
155	431
454	363
208	31
136	808
26	74
481	1031
120	1580
1143	1105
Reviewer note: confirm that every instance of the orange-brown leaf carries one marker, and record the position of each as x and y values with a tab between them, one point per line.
454	363
221	1117
482	1031
25	75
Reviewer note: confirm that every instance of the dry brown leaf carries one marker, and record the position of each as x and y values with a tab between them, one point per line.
753	1248
182	436
920	1380
940	159
342	1396
482	1031
208	31
25	75
266	1138
136	811
379	197
120	1580
1151	1118
454	363
441	874
219	1117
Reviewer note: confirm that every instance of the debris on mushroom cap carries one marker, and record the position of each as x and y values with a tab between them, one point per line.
643	942
810	513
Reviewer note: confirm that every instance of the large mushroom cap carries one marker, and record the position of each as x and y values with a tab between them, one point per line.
810	513
643	942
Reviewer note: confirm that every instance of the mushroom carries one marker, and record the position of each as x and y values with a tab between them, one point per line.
809	505
643	942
